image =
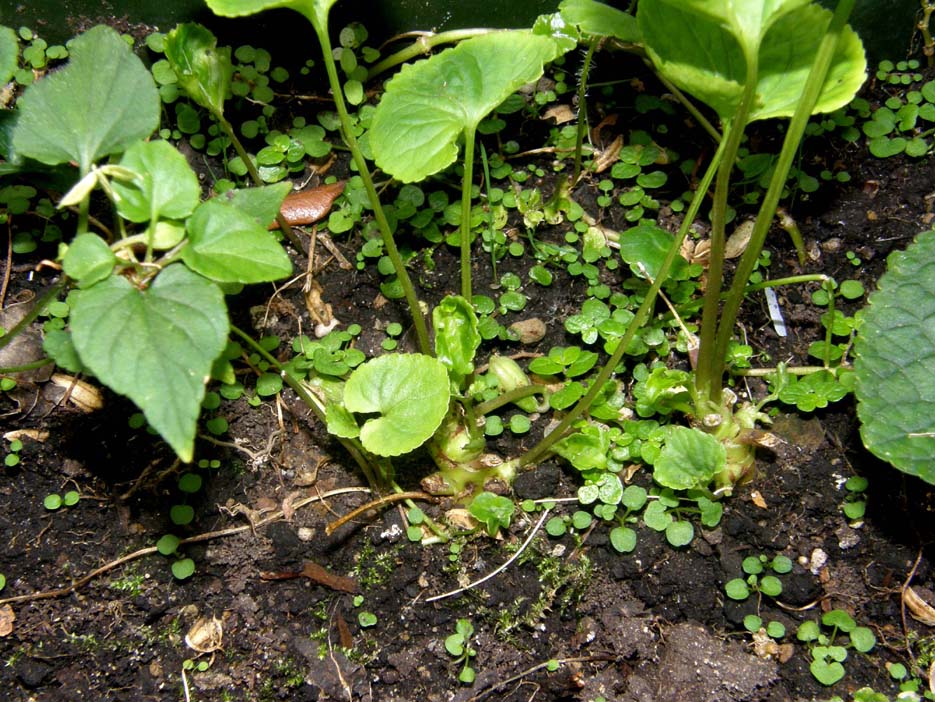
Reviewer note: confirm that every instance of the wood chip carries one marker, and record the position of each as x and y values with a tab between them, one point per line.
757	499
318	575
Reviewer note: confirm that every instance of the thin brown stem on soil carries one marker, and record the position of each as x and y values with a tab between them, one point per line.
902	604
496	687
8	268
149	550
374	504
499	570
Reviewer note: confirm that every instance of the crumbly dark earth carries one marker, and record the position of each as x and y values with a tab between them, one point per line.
653	625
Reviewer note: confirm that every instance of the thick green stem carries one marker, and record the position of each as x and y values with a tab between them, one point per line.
637	323
422	46
508	397
794	134
418	319
582	106
707	379
466	187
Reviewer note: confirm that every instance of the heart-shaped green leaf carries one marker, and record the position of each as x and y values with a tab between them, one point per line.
97	105
600	20
167	186
689	459
410	392
428	104
262	203
88	260
895	364
704	48
228	245
645	247
827	673
203	70
155	346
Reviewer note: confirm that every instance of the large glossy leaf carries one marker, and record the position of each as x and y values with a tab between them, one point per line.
9	53
97	105
228	245
428	104
456	335
315	10
600	20
409	392
203	70
704	48
155	346
167	186
895	362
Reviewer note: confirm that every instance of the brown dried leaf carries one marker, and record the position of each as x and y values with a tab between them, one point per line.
920	610
7	617
205	635
309	206
39	435
609	156
560	113
81	394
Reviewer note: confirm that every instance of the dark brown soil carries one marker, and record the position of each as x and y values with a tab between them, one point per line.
653	625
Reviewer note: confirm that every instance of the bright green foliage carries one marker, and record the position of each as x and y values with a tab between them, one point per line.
428	104
315	10
689	459
895	362
410	392
97	105
459	647
166	185
713	48
645	246
183	568
88	260
809	392
203	70
493	511
456	336
230	246
600	20
9	53
156	346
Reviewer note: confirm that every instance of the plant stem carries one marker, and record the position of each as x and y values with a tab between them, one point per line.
794	134
508	397
582	106
466	187
790	280
26	367
418	319
637	323
424	45
708	377
258	181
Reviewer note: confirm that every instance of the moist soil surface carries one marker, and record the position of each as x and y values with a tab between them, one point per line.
273	610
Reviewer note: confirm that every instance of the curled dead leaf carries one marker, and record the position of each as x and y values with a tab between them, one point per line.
461	519
918	607
205	635
309	206
609	156
81	394
7	617
39	435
